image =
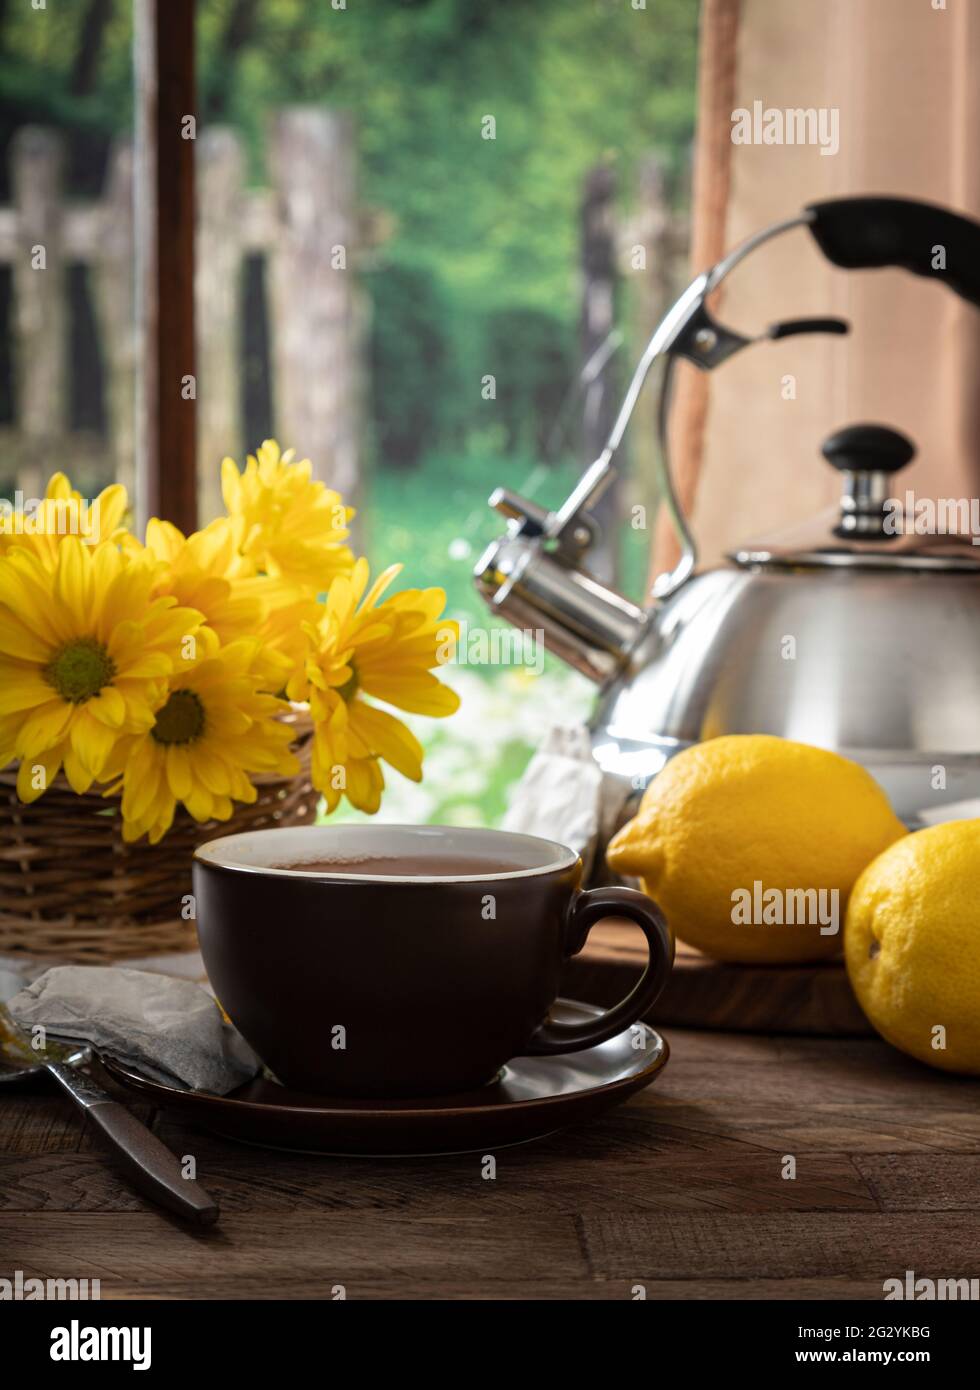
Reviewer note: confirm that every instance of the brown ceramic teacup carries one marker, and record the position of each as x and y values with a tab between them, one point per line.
379	960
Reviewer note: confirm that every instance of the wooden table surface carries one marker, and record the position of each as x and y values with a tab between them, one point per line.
679	1190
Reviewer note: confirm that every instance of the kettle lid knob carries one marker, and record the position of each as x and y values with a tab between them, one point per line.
868	449
866	456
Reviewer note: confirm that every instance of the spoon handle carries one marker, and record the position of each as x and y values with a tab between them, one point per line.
147	1161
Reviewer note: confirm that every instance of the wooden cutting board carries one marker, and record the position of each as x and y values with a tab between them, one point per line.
703	993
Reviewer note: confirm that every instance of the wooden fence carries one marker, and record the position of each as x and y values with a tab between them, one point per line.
648	249
304	227
306	235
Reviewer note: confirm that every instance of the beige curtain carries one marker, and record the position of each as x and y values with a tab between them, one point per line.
903	75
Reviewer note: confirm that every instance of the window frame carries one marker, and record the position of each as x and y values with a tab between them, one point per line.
166	415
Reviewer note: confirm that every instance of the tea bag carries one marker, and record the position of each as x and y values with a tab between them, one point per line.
172	1030
10	984
565	796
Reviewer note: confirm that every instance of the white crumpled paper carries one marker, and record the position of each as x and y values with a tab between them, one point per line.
565	796
168	1028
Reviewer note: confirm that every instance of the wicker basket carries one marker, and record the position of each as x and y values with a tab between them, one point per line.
72	890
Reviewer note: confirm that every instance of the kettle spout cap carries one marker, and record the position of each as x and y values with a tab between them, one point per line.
583	622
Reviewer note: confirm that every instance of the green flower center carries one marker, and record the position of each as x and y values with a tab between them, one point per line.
181	720
80	670
348	690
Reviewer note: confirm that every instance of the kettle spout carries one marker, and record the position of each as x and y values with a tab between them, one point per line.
588	625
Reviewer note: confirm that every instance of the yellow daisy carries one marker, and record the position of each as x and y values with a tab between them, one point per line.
288	525
203	570
85	652
63	512
362	646
212	731
193	569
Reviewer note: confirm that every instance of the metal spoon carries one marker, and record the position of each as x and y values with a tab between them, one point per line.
148	1162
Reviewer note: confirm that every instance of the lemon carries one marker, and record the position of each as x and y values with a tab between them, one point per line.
912	945
751	844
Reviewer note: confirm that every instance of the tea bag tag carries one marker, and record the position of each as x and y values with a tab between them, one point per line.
559	796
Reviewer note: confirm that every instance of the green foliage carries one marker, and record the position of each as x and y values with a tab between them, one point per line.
412	373
435	520
45	81
493	221
532	357
483	249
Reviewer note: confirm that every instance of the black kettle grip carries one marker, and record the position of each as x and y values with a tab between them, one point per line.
864	233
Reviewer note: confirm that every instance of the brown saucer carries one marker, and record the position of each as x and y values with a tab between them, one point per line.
532	1097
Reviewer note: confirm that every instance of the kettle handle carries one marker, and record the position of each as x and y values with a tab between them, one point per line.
867	233
854	233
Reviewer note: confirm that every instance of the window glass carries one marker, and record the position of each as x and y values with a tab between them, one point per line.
67	311
395	279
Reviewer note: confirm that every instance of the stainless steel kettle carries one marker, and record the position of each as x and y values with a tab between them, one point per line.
854	633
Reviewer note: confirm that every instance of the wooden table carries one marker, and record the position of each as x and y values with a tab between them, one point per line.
680	1190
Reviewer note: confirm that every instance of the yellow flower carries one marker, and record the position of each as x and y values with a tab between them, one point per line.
287	613
212	731
366	646
205	571
63	512
85	652
288	525
193	569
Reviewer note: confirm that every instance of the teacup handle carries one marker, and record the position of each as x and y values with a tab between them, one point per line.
585	910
